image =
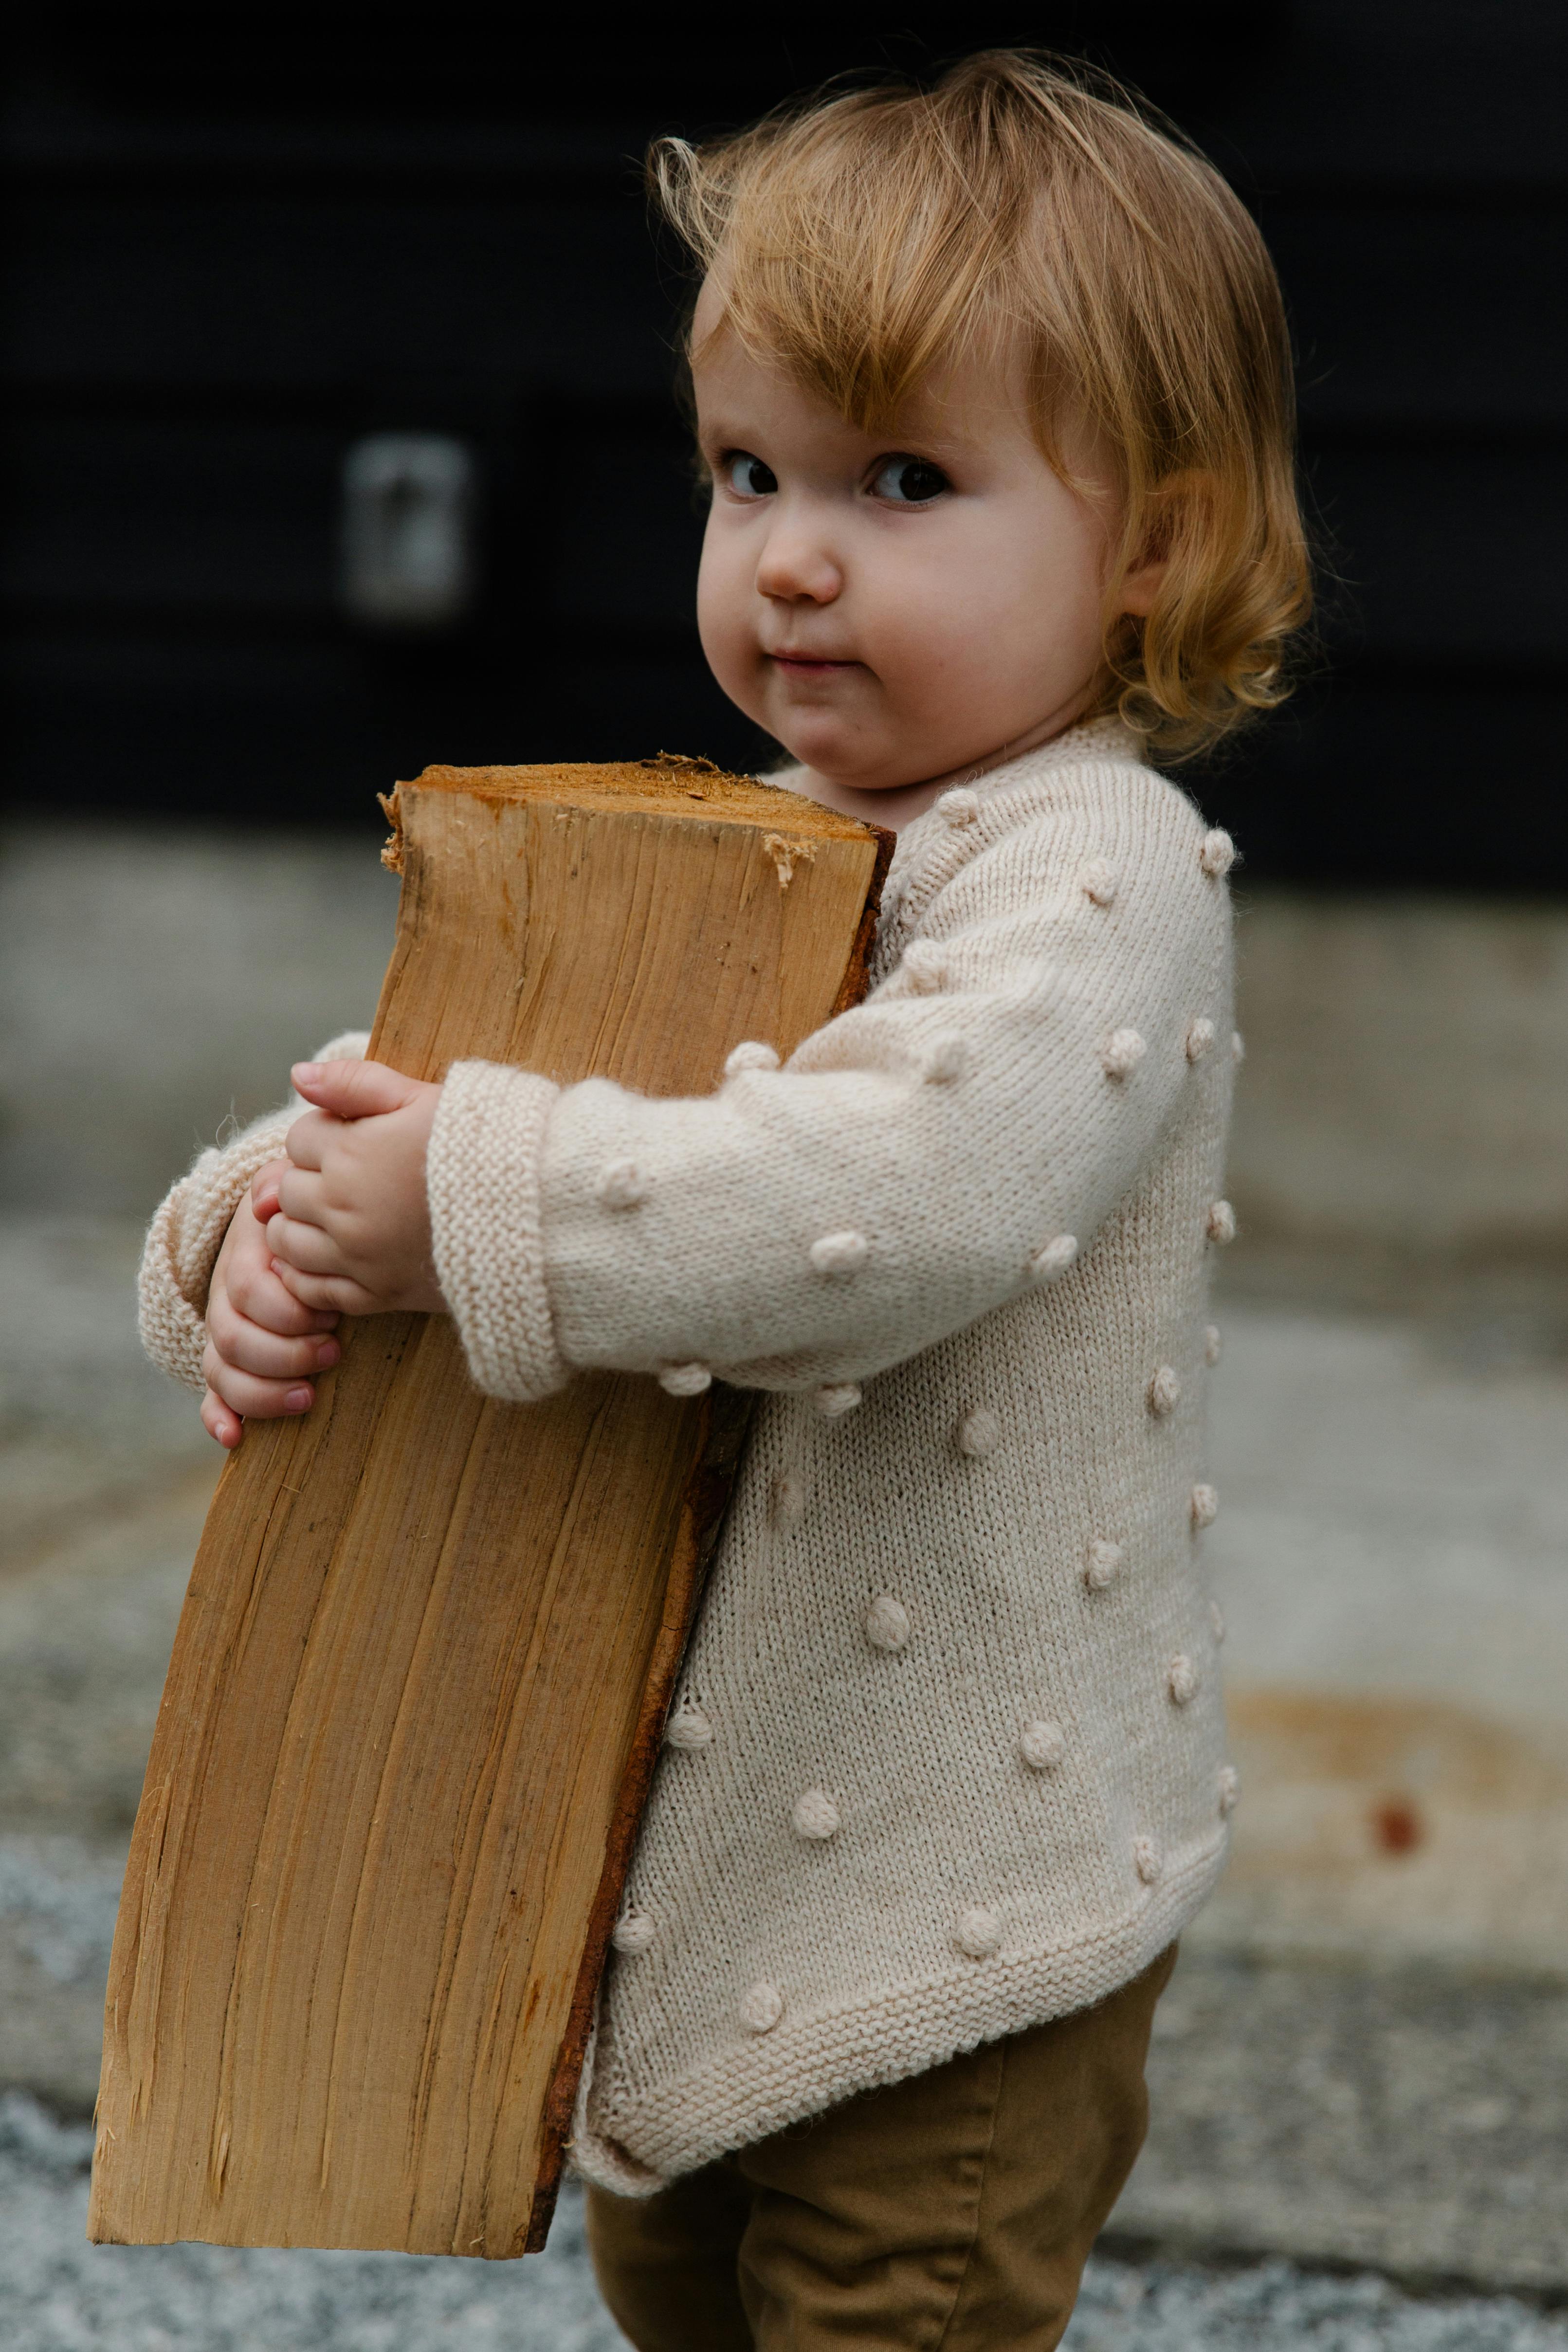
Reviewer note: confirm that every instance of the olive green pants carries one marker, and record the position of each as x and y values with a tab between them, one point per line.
955	2209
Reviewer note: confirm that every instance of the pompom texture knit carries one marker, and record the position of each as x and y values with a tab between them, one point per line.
905	1622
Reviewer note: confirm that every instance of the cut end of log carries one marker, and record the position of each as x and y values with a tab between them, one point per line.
671	785
784	855
682	762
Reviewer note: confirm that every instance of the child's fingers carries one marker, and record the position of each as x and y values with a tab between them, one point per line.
265	1186
307	1248
256	1399
302	1195
252	1347
220	1422
338	1292
353	1089
307	1139
254	1291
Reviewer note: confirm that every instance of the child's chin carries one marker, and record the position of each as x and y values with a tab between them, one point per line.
820	740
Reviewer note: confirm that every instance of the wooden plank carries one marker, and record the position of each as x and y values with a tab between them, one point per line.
421	1675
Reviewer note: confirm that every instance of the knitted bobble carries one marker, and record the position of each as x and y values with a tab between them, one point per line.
841	1252
1205	1507
1099	881
685	1380
947	1060
1237	1047
752	1055
1164	1391
979	1432
622	1184
977	1933
633	1932
1220	1223
1104	1560
1217	853
814	1815
961	806
786	1500
1121	1053
1212	1346
1229	1788
887	1622
836	1399
761	2008
1042	1745
1147	1860
1182	1681
1200	1038
1053	1257
925	966
688	1728
1216	1621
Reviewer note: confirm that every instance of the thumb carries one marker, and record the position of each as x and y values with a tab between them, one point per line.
353	1089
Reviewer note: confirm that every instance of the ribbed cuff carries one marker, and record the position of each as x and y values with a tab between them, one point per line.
482	1176
187	1233
181	1248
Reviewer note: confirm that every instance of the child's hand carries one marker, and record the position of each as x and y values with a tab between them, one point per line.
348	1221
262	1344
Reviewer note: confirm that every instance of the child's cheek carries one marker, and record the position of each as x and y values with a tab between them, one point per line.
915	622
724	621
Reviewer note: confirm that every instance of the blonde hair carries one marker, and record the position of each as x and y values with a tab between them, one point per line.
1021	206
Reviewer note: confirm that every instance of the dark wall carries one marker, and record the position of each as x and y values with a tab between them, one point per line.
236	251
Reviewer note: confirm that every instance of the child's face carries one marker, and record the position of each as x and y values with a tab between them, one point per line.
893	608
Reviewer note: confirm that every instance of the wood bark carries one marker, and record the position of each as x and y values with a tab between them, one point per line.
421	1675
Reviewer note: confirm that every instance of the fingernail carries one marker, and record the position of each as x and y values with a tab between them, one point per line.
299	1399
308	1071
327	1355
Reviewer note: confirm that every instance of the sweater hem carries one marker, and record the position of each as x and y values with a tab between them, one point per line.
801	2069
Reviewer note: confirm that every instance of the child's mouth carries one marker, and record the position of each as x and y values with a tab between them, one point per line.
809	665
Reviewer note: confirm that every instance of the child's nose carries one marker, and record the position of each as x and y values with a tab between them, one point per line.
797	562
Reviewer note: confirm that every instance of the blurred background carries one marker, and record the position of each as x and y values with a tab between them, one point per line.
341	438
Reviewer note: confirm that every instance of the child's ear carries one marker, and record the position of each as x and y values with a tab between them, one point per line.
1172	511
1140	588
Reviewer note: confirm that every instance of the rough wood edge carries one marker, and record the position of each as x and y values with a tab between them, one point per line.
702	1510
857	970
702	1506
391	810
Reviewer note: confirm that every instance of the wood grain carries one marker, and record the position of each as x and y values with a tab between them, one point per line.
421	1675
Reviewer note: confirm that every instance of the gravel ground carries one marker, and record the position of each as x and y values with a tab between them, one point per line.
60	2294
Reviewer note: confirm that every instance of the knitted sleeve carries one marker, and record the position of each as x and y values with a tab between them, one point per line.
186	1232
920	1160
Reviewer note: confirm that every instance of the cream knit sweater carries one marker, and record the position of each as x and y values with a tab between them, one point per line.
947	1756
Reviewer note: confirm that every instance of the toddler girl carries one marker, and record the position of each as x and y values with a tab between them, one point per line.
993	386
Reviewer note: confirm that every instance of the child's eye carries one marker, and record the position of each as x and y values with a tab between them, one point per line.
908	481
748	475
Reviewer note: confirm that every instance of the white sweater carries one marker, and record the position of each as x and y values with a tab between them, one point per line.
947	1756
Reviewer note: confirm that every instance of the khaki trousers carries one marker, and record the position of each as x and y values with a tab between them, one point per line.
953	2210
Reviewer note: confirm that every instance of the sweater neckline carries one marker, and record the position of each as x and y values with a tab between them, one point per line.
1109	737
1106	738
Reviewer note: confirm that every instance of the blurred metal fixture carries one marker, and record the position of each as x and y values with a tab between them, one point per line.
408	530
